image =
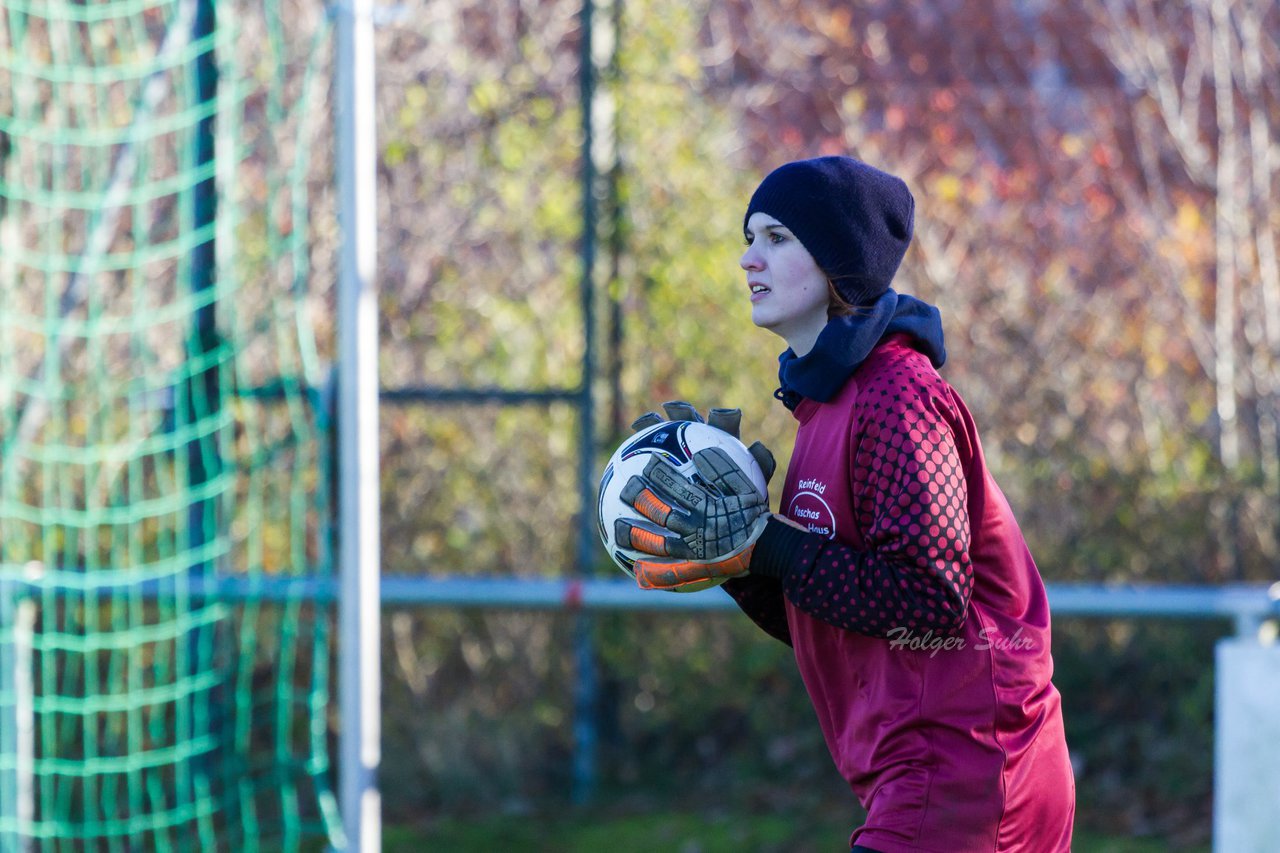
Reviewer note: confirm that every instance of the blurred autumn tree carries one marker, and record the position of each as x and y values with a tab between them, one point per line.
1096	218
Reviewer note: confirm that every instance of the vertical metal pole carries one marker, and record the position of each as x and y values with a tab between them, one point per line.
9	717
17	717
202	393
584	727
203	400
617	419
24	630
358	509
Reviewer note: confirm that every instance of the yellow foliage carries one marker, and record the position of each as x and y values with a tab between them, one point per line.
415	96
687	66
853	103
947	187
486	95
1188	219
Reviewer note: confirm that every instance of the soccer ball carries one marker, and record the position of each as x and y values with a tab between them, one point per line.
676	442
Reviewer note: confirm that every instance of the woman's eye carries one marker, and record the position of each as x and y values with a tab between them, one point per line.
775	237
747	239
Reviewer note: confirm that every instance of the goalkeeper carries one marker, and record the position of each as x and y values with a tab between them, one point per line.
895	568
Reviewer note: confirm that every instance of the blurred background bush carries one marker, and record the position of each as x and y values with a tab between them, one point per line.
1096	219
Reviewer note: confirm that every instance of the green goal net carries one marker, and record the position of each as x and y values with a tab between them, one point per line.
165	456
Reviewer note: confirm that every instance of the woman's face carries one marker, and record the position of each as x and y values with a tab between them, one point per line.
789	295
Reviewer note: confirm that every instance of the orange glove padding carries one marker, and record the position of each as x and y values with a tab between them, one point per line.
670	573
685	518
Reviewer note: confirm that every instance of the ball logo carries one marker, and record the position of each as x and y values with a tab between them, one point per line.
808	508
669	443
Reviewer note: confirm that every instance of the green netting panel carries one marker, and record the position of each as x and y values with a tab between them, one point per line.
161	429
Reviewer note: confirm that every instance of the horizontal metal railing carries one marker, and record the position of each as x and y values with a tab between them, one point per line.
1248	605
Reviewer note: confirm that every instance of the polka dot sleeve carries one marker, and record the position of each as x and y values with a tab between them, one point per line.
910	501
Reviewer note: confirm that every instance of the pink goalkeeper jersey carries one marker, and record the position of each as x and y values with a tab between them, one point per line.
919	620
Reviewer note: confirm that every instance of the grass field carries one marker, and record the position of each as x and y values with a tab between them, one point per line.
677	832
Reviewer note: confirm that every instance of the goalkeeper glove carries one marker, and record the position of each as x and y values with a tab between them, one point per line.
727	420
709	533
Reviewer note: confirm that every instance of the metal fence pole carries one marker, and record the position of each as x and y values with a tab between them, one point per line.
17	718
360	557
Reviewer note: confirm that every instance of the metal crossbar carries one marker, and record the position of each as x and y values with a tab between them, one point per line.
1248	605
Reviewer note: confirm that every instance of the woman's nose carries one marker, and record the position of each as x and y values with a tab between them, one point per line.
750	259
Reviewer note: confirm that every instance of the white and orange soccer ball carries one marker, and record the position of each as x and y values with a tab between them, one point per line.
676	442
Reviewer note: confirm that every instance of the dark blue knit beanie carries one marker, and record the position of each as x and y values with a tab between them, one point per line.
855	220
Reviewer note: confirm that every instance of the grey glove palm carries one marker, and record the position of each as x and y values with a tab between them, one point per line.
691	521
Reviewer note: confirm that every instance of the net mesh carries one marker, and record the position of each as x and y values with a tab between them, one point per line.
164	439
